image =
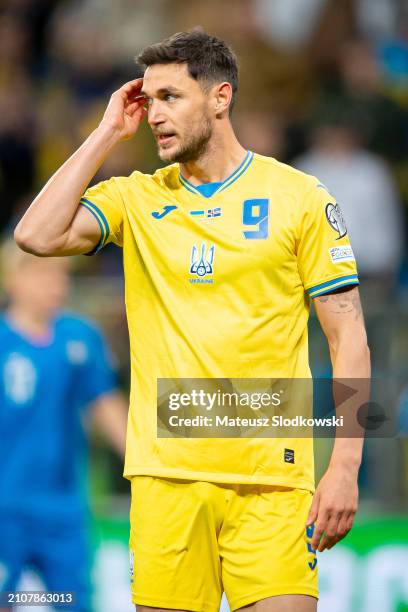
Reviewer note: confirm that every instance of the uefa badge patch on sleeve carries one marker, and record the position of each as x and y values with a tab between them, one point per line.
335	219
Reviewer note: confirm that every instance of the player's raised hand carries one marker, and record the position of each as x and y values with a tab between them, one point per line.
333	508
125	110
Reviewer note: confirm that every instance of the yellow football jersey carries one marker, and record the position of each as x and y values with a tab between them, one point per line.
220	287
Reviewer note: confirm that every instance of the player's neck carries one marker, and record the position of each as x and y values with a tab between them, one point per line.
223	155
29	322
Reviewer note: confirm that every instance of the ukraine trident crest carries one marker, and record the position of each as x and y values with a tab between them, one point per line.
202	262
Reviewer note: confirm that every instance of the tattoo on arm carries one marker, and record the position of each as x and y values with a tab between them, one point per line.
343	301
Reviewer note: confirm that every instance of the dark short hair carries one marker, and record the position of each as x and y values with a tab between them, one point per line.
209	59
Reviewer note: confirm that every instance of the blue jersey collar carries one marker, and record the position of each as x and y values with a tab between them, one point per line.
208	190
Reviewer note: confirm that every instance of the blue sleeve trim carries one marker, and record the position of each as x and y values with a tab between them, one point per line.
102	221
341	281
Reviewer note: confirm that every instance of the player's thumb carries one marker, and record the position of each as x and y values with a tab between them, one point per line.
314	508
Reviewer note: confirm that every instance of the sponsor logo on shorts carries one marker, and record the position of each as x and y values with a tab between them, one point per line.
289	455
340	254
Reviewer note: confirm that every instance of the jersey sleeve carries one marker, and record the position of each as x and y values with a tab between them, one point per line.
325	257
99	374
104	201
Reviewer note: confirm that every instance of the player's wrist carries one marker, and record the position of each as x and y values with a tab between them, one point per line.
108	132
346	461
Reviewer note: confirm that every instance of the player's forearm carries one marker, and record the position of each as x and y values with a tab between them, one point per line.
352	370
51	213
350	355
110	417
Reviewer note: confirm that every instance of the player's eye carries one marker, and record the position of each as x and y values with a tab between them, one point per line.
170	97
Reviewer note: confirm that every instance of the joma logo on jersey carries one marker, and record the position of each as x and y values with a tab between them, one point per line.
201	264
166	210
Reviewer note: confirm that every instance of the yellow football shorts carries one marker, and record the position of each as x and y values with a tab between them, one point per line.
190	540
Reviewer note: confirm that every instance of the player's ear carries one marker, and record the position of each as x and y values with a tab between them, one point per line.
222	98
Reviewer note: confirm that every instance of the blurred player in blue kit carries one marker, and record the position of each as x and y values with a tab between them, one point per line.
53	366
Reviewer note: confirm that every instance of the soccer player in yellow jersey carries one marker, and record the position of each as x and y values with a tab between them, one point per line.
224	250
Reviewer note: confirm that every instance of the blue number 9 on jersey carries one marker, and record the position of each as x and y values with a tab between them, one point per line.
256	212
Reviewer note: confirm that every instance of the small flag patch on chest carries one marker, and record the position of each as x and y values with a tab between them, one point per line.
209	214
213	212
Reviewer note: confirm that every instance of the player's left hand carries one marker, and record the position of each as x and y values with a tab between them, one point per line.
334	507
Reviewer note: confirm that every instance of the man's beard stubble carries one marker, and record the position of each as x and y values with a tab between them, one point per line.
194	147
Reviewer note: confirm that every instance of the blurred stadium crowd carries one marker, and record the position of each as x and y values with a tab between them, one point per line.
323	86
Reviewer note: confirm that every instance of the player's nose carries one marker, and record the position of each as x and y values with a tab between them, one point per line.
155	114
